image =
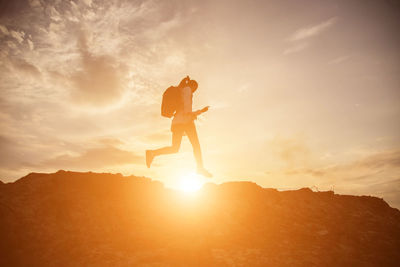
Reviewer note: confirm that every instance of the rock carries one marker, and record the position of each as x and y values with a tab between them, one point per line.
99	219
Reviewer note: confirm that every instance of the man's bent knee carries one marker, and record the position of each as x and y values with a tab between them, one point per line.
174	149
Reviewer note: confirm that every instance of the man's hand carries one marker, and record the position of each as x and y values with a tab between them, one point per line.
198	112
204	109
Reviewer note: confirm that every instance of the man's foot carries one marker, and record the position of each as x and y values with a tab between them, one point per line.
149	158
204	172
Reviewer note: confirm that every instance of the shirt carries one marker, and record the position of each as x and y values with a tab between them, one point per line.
184	115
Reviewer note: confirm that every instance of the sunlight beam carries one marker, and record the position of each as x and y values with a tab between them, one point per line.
190	183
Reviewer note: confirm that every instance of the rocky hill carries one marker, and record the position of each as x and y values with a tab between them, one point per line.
93	219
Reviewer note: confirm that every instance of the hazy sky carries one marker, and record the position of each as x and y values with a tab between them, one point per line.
302	93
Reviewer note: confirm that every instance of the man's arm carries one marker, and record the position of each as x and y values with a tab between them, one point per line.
198	112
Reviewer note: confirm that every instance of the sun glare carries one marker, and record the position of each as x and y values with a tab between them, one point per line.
190	183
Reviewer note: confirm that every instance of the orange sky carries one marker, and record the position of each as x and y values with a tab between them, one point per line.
302	93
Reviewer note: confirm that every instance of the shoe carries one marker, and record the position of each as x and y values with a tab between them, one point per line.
204	172
149	158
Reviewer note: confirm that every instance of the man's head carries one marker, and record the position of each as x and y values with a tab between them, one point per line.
193	85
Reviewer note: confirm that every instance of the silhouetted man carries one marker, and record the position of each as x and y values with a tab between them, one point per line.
183	122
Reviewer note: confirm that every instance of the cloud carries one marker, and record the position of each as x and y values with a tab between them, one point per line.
293	151
104	53
390	190
161	136
298	37
12	8
308	32
355	170
295	48
72	71
12	157
4	30
34	3
26	67
109	141
338	60
31	45
375	173
19	36
88	2
94	158
390	158
101	80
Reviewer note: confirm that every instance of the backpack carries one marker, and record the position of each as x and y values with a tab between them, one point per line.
171	101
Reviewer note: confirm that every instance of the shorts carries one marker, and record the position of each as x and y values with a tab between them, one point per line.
177	127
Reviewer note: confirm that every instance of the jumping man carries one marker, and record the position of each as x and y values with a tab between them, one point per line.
183	122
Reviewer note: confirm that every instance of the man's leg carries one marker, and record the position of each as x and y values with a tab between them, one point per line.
194	140
174	148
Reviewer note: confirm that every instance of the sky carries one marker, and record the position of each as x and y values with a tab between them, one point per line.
301	93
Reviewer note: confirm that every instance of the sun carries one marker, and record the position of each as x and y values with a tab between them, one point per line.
190	183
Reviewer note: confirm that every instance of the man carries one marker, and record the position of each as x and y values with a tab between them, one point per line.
183	122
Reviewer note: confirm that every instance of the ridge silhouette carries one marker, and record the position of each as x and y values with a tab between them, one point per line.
100	219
